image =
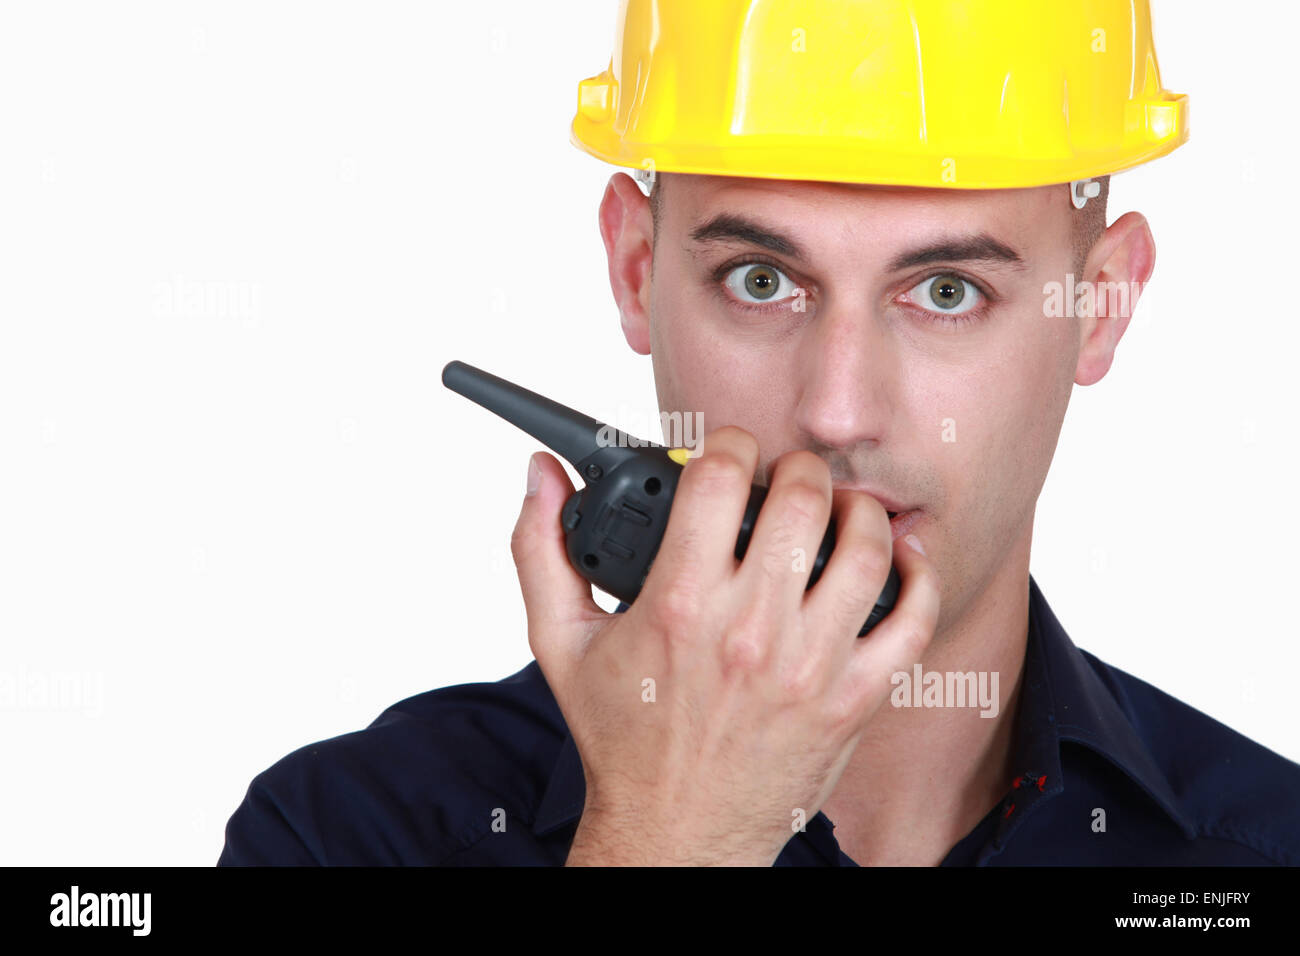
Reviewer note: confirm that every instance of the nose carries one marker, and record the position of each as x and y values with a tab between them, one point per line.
849	375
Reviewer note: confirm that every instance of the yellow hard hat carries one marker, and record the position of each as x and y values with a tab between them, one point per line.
943	93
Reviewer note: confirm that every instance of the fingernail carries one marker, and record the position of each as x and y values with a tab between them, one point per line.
534	477
915	542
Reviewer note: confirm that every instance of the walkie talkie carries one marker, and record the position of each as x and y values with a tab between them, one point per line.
614	525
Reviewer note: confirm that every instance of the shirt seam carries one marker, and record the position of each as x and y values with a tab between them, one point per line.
317	859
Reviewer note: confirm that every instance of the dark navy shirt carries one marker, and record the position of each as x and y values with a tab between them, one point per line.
488	774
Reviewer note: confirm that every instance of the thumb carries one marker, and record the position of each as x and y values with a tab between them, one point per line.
557	599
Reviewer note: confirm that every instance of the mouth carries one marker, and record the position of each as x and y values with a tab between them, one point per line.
901	522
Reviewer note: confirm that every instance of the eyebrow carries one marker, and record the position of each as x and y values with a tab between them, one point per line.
729	227
980	247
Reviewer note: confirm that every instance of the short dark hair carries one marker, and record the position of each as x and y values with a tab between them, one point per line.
656	199
1088	223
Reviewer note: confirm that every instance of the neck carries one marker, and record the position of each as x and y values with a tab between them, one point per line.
922	777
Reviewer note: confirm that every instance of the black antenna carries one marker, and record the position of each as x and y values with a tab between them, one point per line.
572	435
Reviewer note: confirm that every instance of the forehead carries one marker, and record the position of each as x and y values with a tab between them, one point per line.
1030	212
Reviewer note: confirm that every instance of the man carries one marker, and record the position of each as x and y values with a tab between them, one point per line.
861	299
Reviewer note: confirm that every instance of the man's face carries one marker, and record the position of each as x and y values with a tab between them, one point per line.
921	366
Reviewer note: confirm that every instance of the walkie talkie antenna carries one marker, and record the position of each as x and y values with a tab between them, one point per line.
571	435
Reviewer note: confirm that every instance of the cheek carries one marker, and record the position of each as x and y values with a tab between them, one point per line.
996	418
671	350
1039	377
1016	422
699	369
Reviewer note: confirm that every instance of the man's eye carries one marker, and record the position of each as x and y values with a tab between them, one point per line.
946	293
757	283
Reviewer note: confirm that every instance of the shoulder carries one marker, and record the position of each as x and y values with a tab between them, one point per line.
422	782
1229	788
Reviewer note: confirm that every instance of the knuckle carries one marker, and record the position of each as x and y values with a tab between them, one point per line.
748	643
853	606
870	559
521	543
778	559
868	514
805	461
540	646
800	678
677	565
803	501
913	642
744	442
745	651
715	473
675	610
842	712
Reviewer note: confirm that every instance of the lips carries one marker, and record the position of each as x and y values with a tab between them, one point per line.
901	524
901	518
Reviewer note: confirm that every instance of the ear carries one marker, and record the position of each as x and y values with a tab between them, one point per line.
627	228
1118	267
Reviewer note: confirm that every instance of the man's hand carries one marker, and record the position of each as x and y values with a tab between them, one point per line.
727	700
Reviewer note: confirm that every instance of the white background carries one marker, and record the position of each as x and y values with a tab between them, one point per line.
238	511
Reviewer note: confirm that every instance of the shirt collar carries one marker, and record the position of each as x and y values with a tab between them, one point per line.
1068	697
1062	698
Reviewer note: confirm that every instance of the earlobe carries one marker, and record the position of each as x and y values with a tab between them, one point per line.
626	227
637	333
1127	255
